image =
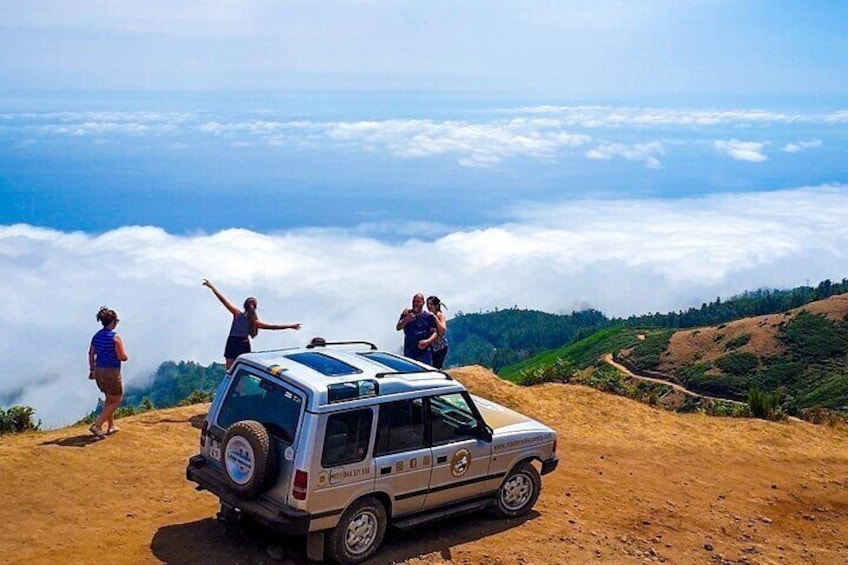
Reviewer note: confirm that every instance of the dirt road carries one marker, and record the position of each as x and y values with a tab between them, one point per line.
621	368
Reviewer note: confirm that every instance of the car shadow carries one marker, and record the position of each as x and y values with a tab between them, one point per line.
73	441
210	542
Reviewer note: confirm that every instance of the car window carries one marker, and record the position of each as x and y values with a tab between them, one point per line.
400	427
451	419
392	361
347	437
253	398
324	364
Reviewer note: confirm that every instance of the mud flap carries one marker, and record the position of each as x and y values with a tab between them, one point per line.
315	546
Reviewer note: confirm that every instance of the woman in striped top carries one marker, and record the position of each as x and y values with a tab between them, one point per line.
246	324
105	355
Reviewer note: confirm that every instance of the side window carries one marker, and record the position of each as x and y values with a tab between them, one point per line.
451	419
346	438
400	427
253	398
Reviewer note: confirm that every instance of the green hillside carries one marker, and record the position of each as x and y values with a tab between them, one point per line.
503	338
581	354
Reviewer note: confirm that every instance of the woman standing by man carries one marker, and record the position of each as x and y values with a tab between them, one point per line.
246	324
440	345
105	355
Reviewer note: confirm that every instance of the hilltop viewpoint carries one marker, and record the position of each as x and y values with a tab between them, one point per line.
636	484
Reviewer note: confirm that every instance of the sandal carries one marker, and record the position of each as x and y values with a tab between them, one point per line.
113	430
97	431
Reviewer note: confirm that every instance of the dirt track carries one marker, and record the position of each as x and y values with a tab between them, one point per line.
635	484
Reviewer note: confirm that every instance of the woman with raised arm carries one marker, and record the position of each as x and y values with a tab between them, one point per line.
246	324
105	355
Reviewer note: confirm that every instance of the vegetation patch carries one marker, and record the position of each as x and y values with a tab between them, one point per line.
17	419
646	354
737	341
738	364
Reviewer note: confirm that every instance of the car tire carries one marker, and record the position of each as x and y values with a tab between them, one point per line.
249	458
518	492
359	532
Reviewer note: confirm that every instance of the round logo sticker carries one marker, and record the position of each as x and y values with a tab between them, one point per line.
288	453
460	462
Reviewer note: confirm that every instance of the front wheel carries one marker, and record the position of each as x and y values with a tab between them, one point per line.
519	491
359	533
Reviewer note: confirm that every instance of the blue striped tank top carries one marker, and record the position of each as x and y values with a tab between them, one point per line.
103	343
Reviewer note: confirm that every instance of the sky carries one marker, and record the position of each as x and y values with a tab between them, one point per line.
333	158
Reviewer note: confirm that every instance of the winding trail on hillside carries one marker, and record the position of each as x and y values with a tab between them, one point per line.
608	358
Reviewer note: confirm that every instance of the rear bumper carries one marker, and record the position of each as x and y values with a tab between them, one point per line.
277	517
549	465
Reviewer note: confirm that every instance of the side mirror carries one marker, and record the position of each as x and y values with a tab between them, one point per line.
484	433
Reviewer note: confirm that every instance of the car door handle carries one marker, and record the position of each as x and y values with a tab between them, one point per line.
441	459
385	470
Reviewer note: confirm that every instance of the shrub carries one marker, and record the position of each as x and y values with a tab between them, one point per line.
197	397
821	415
737	341
812	337
764	405
646	355
18	419
560	371
740	363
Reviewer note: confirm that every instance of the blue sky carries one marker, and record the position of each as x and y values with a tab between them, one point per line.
333	158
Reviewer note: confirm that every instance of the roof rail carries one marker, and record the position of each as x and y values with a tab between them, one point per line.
321	343
401	373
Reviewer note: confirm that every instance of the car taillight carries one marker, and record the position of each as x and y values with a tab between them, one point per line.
203	429
556	439
301	480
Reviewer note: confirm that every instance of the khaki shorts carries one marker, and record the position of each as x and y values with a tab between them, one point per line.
109	380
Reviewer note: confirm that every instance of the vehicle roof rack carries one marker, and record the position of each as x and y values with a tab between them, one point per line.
321	343
402	373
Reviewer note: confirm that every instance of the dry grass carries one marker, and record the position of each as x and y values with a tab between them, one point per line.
635	484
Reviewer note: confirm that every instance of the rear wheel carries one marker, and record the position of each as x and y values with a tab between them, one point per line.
359	533
519	491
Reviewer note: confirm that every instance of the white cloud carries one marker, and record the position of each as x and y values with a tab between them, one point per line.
622	257
610	116
801	146
544	133
647	152
751	151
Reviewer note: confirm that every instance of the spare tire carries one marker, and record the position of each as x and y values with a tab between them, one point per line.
250	461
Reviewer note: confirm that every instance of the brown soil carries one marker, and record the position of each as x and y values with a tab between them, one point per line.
635	484
708	343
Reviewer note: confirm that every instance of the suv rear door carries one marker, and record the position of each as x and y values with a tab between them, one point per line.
460	458
253	395
401	456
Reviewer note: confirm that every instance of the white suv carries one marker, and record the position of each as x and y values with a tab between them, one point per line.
339	440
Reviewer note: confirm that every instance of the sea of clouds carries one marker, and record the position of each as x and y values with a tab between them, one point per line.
622	257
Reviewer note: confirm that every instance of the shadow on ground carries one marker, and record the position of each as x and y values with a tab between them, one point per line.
73	441
210	542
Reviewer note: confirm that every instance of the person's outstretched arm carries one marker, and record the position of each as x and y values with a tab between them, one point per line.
227	304
264	326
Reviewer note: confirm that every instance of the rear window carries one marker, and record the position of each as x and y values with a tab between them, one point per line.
392	361
324	364
253	398
347	437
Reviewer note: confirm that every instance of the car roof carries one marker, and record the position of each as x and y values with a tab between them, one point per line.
347	373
